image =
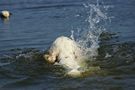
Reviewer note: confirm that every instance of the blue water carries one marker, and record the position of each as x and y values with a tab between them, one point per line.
35	24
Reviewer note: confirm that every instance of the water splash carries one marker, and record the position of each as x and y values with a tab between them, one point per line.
88	38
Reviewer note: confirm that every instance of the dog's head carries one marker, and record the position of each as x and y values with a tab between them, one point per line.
50	56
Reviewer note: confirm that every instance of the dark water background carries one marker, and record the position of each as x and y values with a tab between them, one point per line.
35	24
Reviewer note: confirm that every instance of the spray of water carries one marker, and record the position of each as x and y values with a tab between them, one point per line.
88	38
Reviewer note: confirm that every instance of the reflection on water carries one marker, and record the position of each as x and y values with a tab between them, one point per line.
6	24
108	42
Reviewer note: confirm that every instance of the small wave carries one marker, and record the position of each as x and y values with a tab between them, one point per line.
52	6
3	64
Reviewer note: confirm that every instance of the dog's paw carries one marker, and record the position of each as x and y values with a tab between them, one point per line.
74	73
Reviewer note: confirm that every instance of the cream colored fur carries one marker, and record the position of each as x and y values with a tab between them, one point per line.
64	51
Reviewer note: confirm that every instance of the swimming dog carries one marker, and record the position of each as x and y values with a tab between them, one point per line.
66	52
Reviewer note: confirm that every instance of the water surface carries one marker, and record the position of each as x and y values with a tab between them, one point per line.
108	26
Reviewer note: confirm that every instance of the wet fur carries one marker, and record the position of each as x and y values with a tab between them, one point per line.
64	51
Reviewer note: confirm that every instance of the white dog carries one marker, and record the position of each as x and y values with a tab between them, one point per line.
66	52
